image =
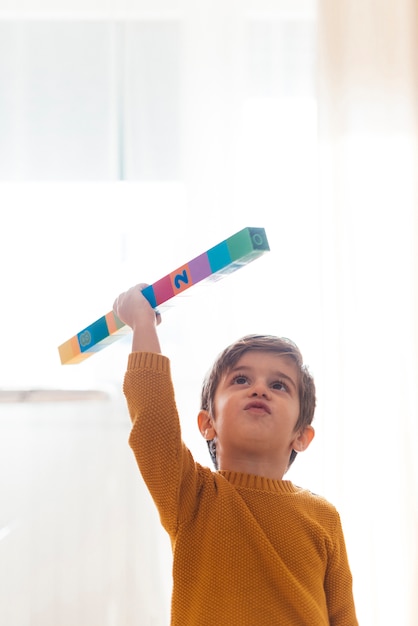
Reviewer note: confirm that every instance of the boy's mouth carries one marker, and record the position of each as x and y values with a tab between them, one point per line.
258	406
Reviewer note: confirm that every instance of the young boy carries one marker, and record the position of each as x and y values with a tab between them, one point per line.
249	548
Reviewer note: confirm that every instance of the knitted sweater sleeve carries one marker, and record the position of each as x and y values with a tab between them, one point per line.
165	463
338	582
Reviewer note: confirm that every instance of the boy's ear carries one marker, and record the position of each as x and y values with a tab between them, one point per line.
303	438
205	424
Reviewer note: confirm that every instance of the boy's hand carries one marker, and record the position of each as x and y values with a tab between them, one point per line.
134	310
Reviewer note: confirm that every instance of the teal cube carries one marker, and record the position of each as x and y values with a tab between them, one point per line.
219	257
93	334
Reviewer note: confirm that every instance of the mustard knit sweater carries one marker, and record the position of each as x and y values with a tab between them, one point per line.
247	550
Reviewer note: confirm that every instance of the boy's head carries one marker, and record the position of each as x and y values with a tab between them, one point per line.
280	346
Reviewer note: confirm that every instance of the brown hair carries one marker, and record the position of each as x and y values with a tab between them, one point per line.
265	343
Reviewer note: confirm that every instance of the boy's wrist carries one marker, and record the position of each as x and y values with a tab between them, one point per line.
145	339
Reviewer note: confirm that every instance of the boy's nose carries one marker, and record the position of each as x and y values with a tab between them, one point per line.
260	389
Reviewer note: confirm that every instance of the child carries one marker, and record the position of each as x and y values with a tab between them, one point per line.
249	548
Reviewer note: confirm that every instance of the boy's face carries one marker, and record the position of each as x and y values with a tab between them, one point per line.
256	407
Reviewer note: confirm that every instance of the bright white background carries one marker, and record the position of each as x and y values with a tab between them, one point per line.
134	137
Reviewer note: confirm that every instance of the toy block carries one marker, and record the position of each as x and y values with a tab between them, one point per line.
93	334
200	268
113	323
246	243
226	257
70	351
149	294
181	279
219	257
163	290
95	337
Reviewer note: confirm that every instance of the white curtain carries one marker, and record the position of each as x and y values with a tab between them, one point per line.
368	123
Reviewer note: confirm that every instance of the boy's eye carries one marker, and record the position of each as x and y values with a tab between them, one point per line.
280	386
239	380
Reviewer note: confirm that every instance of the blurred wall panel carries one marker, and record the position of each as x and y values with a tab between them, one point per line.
79	537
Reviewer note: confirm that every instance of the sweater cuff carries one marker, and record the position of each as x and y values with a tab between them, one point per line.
148	360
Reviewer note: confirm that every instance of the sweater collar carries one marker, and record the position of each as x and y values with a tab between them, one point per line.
261	483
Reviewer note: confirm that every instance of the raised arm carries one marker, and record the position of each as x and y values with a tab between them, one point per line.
164	461
135	311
